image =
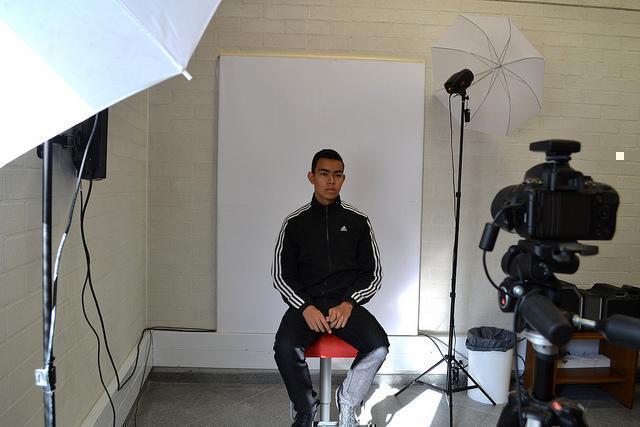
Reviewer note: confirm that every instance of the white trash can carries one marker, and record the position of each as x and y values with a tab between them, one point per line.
490	363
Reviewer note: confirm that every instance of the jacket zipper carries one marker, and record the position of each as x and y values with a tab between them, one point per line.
326	225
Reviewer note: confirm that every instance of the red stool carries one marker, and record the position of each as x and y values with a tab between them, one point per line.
327	347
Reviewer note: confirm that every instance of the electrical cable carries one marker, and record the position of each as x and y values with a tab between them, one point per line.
432	338
453	167
486	271
158	328
455	342
520	376
87	280
435	344
135	365
484	252
150	329
56	267
453	188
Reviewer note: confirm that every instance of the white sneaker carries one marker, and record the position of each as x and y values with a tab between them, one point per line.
347	417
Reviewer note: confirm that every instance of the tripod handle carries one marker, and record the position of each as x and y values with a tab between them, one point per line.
621	330
540	313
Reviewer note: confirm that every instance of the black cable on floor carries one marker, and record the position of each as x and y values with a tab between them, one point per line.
88	281
432	338
435	344
158	328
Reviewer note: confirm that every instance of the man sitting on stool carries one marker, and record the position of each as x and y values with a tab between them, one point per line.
326	266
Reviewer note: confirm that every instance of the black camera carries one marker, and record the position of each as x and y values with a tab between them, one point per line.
556	202
553	208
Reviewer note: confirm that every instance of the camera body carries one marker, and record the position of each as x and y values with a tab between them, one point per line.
553	208
556	202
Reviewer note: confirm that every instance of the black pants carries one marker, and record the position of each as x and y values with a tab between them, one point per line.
362	331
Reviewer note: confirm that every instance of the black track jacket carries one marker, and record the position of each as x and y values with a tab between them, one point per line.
326	253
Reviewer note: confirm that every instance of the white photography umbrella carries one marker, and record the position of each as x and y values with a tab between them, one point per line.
509	72
65	60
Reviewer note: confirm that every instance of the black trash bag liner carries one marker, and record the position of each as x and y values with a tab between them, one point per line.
487	338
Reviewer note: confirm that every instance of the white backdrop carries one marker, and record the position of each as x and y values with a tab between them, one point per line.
275	112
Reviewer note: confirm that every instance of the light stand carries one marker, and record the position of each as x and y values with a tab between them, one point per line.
46	376
450	358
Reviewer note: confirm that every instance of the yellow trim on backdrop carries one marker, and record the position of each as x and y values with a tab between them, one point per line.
323	56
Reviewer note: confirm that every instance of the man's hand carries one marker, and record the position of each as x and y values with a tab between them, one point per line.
339	315
316	320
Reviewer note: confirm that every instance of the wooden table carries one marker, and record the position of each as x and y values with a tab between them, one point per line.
618	380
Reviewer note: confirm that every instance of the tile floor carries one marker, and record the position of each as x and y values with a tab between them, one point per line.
222	398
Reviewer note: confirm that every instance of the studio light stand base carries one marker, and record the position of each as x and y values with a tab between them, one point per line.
455	364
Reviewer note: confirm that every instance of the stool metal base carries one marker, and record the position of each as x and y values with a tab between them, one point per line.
324	408
325	391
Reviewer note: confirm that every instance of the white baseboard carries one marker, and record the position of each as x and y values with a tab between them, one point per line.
407	354
123	400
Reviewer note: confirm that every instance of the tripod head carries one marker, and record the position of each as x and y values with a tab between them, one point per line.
530	266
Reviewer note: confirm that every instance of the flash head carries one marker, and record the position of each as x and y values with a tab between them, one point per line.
459	82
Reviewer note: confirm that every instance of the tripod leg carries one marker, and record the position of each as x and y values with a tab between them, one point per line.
476	383
420	376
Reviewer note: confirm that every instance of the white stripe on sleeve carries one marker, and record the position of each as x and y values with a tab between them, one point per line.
376	283
276	268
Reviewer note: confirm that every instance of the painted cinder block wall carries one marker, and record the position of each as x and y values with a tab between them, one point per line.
592	85
162	193
116	231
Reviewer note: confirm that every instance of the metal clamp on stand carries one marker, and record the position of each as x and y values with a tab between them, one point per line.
46	378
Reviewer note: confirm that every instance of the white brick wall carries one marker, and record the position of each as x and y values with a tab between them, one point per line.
115	226
591	94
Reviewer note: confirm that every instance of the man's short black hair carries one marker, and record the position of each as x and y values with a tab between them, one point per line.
326	153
